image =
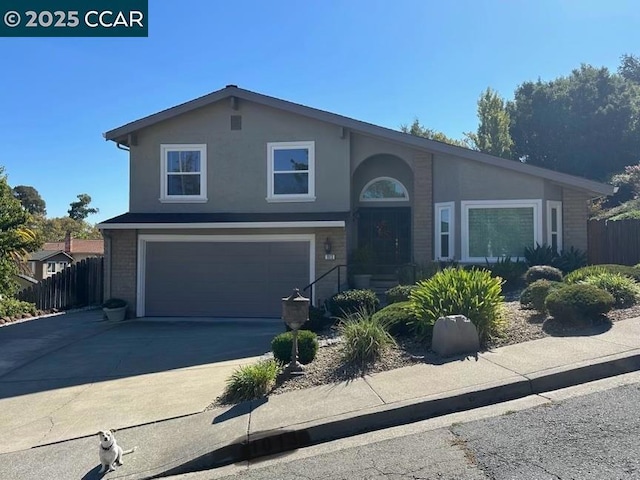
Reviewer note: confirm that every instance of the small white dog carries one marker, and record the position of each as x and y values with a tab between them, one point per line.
110	452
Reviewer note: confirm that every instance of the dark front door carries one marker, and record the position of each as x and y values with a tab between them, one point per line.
387	231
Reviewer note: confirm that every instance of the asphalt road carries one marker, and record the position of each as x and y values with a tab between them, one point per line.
595	436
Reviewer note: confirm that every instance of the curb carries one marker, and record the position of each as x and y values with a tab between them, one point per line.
261	444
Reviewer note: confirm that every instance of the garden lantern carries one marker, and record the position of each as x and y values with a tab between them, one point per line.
295	312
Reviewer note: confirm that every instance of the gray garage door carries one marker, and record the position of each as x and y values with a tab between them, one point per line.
222	279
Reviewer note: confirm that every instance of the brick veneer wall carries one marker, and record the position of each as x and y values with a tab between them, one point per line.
123	259
328	285
422	222
574	219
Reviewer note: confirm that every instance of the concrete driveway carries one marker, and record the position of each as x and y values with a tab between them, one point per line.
68	376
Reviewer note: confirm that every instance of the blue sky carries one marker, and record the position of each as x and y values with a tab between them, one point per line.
383	62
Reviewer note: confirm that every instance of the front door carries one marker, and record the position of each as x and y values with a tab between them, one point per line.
387	232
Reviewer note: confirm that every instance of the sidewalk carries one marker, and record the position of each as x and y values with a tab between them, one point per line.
295	419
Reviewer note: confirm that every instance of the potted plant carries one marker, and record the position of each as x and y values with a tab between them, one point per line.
115	309
362	267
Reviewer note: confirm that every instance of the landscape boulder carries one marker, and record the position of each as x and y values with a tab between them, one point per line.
454	335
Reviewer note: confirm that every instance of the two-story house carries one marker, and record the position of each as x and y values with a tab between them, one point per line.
237	197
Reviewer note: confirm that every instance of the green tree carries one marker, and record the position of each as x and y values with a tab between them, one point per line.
30	199
421	131
80	210
630	68
493	135
586	124
16	239
56	228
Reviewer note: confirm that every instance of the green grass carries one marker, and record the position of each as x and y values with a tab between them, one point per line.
251	381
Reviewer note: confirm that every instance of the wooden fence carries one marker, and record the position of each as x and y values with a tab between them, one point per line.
614	241
76	286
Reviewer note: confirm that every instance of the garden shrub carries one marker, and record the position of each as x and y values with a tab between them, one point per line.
570	260
11	307
540	272
345	303
578	302
534	295
399	293
307	346
540	255
473	293
510	271
584	272
624	290
251	381
318	320
364	337
397	318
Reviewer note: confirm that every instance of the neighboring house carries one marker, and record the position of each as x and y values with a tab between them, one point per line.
45	263
56	256
235	197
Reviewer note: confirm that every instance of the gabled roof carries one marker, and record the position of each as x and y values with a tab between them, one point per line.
42	255
121	134
77	246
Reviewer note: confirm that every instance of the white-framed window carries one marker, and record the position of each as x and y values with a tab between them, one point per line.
493	229
62	266
384	189
51	268
184	173
445	215
554	225
291	171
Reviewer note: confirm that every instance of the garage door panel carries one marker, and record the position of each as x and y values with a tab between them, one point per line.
222	278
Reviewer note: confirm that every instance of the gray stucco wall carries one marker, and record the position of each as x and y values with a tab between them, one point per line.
237	160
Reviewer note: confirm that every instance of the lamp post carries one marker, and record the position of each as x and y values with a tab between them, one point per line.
295	312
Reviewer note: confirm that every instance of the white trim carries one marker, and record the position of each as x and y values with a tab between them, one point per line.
551	204
404	189
180	147
536	204
143	239
212	225
439	207
310	196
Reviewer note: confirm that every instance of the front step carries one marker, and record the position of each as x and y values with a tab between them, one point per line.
381	283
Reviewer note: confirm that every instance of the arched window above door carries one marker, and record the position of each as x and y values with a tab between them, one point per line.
384	189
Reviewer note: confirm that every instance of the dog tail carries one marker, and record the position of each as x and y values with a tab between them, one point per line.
131	450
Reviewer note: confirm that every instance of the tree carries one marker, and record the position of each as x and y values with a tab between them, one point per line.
16	239
30	199
80	210
55	229
630	68
421	131
586	124
493	135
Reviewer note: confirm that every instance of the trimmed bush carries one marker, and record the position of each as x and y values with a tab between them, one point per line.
535	294
578	302
584	272
251	381
511	272
399	293
472	293
397	318
307	346
543	272
364	338
345	303
11	307
624	290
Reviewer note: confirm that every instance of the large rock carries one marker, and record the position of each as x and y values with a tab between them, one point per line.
453	335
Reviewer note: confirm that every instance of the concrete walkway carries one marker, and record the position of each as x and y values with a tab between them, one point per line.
287	421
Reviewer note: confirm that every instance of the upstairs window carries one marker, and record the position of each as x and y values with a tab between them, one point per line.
384	189
291	171
184	173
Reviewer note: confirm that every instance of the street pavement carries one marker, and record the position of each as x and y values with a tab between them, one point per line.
166	373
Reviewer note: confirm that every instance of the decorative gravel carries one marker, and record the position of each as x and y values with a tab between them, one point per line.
522	326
